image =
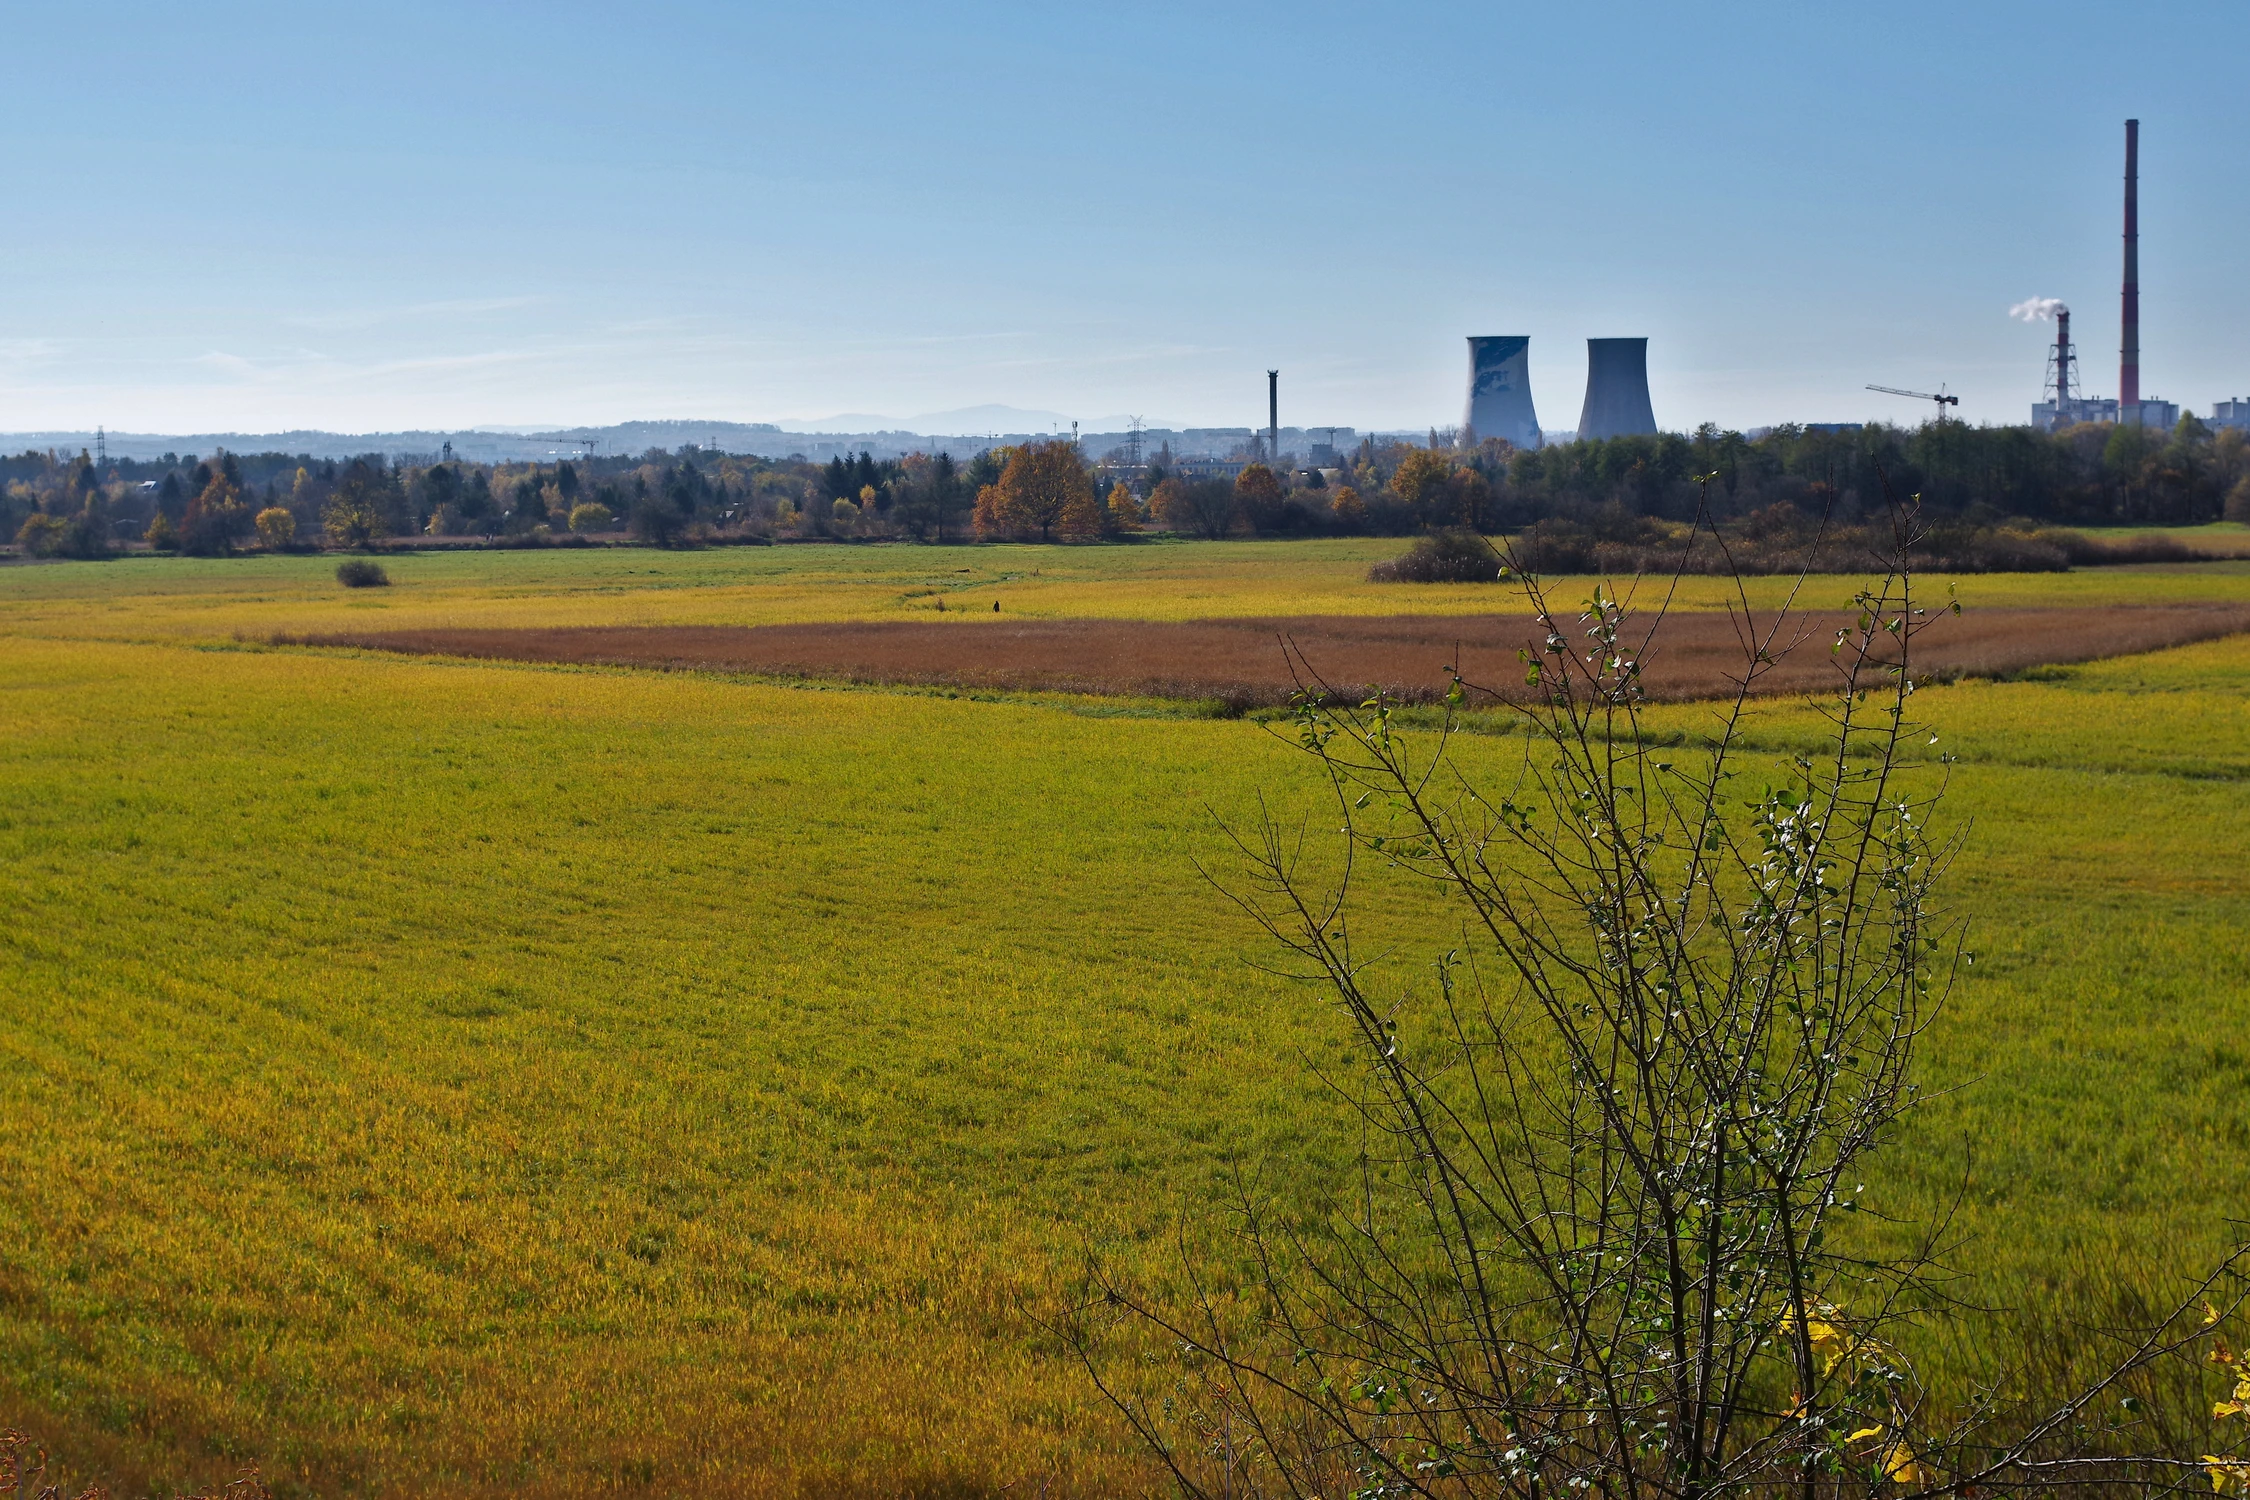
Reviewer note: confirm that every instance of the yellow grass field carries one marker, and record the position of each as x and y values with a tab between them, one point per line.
428	1077
150	598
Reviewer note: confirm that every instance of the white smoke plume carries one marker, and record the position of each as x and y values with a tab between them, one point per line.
2037	309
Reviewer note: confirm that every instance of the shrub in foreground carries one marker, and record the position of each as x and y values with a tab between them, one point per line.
359	573
1595	1240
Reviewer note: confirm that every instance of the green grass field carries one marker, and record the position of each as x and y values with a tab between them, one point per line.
430	1077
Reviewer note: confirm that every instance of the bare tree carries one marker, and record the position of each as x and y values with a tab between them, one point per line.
1592	1247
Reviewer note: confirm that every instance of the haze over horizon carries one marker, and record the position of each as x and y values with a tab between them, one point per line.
266	219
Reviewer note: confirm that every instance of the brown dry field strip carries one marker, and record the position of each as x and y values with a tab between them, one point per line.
1694	655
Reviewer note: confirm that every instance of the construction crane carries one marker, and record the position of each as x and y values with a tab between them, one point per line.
1939	396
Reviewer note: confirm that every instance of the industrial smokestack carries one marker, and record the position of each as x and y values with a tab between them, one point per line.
1273	416
2129	354
2062	364
1617	402
1500	390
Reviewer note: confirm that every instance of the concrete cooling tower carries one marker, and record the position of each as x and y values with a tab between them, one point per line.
1500	390
1616	390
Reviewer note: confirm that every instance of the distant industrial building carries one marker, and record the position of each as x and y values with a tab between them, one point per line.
1499	403
2062	405
2150	413
2235	414
1617	403
2133	408
2048	417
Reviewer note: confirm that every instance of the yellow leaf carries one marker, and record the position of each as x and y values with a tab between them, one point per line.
1900	1466
1864	1432
2227	1473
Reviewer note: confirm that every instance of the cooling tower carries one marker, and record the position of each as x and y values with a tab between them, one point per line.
1500	390
1616	390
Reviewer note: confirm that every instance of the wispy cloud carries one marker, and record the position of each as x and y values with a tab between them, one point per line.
354	319
233	365
31	351
310	369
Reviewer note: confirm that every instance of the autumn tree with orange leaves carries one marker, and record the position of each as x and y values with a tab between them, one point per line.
1043	488
1258	495
1124	510
1421	475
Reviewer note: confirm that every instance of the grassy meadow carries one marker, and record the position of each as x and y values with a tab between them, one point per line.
151	598
437	1077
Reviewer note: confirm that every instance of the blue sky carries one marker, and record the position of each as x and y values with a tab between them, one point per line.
250	217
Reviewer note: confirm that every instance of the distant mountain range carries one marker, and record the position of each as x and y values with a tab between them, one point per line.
990	417
962	432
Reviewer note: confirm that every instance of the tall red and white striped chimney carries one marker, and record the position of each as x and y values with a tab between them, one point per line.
2129	353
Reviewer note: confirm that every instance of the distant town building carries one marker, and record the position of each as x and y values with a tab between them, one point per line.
1210	468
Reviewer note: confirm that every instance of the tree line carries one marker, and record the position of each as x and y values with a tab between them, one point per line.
2091	474
56	506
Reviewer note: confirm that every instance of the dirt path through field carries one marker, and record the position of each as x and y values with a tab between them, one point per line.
1693	655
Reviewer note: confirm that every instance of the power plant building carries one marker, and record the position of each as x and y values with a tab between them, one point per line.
2133	408
2151	412
2048	417
1617	403
2064	405
1500	390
